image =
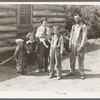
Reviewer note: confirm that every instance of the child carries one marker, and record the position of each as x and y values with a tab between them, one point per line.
43	39
19	56
31	45
56	52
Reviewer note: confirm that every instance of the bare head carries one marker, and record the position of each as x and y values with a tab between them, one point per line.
44	21
77	18
56	30
32	36
19	42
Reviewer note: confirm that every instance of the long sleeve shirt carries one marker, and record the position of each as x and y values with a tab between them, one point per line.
57	42
78	35
19	53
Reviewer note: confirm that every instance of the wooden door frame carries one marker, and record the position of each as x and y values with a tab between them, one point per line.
19	26
18	17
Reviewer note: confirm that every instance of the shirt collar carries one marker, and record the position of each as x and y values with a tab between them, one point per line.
43	26
55	36
79	24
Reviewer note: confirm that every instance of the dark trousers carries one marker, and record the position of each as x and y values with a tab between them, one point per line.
43	55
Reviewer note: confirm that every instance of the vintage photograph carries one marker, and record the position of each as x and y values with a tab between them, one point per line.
50	49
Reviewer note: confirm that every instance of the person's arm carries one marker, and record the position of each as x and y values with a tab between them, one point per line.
70	39
16	53
36	46
27	43
84	37
28	35
51	45
39	33
61	45
48	36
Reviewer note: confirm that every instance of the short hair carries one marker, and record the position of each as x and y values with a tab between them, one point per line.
56	27
19	41
78	14
30	34
44	18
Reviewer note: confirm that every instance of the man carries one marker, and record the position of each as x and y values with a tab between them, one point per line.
43	32
77	43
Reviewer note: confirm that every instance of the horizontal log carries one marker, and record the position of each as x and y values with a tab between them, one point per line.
47	12
53	21
7	13
23	30
6	49
8	28
49	16
6	32
8	6
8	36
11	20
48	7
38	20
36	25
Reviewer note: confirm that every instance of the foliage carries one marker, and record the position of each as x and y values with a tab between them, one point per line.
90	16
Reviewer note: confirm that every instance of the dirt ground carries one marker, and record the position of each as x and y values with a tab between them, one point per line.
38	82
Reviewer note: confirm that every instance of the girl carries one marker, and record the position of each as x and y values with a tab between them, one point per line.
31	46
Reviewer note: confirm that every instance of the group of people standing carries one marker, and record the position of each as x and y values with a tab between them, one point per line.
50	48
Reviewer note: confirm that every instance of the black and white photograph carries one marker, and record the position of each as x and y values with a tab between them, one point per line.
50	49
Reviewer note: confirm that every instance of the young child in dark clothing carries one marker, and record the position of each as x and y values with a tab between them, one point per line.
31	46
19	56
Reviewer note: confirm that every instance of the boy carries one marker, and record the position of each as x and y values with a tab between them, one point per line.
19	56
56	52
43	39
42	31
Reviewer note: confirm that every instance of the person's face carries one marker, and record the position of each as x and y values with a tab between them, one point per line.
44	23
55	30
31	38
21	44
77	19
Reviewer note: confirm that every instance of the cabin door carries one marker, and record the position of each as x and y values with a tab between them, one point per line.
24	19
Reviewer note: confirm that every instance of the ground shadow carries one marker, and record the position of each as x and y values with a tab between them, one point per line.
40	74
90	47
7	72
77	75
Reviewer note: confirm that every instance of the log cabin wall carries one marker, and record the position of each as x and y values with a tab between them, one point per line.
10	26
54	13
8	21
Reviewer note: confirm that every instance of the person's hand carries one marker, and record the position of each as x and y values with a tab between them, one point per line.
15	59
43	36
28	51
79	49
69	48
49	55
61	55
